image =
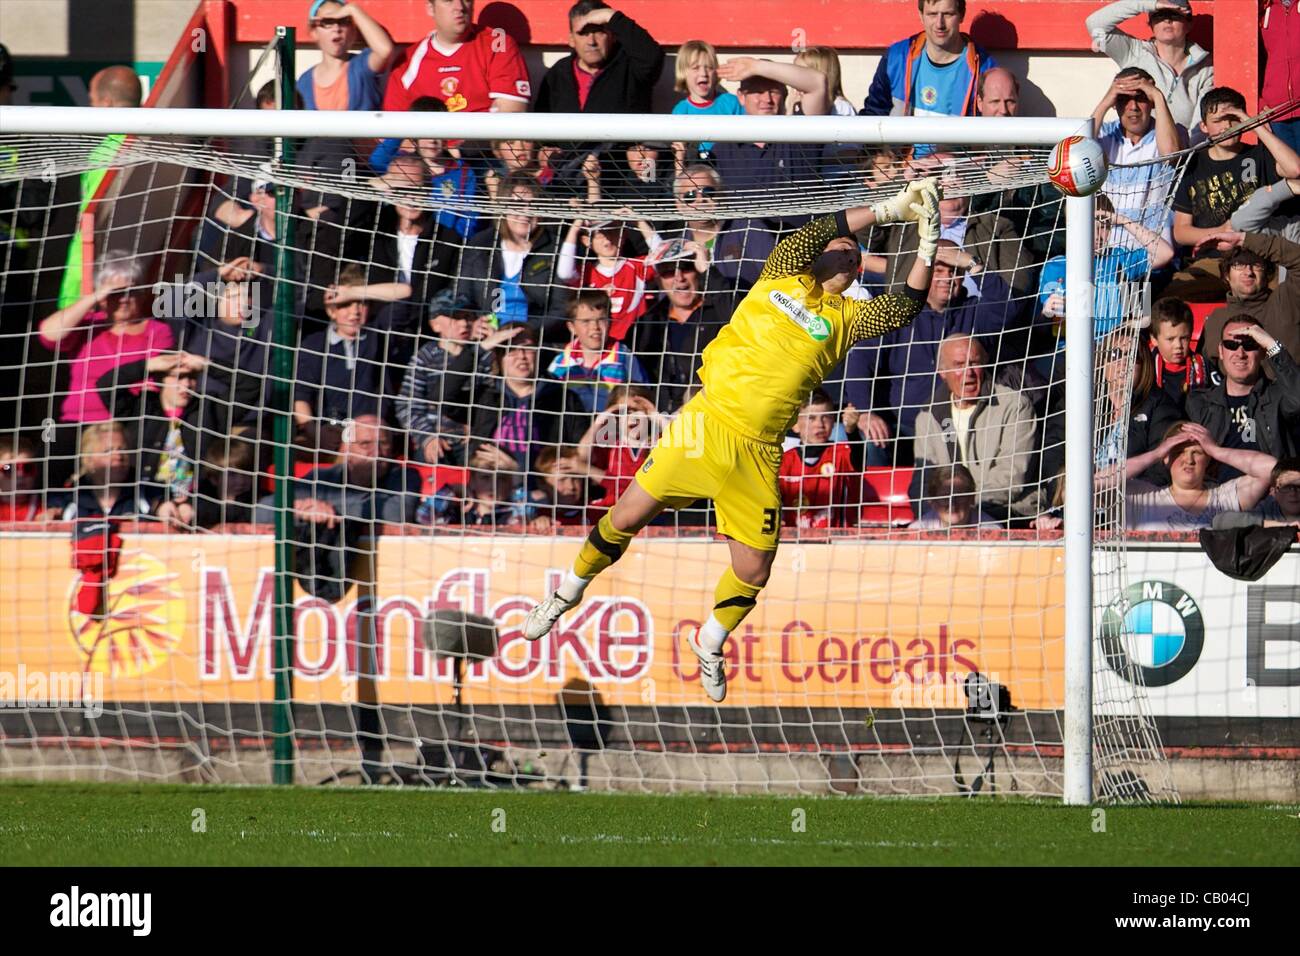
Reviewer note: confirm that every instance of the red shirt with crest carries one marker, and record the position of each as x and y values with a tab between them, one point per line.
824	494
484	67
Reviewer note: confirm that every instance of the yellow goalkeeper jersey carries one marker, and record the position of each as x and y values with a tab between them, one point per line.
787	335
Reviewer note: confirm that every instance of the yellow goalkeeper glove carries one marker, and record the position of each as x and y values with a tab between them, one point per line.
897	208
924	209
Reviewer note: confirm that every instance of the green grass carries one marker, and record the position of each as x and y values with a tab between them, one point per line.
122	824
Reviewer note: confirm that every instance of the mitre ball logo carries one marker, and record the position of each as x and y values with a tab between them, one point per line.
1154	632
1077	166
142	619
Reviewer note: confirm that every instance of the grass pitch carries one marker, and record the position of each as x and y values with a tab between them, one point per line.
137	825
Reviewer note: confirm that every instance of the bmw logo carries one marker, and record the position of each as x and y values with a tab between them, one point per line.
1154	632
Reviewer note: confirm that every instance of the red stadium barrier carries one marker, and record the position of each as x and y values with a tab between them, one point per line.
886	494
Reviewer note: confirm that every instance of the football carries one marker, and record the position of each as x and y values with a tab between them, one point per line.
1077	166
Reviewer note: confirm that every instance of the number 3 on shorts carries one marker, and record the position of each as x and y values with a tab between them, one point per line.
769	520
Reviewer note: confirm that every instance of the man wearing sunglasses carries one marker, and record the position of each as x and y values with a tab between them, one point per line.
1246	409
1247	267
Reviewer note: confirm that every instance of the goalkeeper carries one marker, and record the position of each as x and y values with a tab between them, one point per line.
785	336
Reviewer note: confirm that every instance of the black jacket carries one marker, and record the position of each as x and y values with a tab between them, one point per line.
436	252
1151	418
238	356
334	391
1147	424
551	422
670	351
625	84
144	417
1275	406
481	268
373	242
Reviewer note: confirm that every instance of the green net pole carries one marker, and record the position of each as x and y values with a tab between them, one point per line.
281	403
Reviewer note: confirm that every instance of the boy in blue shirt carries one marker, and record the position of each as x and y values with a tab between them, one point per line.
449	177
697	77
592	363
1113	268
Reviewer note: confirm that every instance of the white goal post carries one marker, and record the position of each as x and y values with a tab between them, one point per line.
1036	132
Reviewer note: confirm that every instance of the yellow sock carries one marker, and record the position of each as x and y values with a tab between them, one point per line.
733	599
603	547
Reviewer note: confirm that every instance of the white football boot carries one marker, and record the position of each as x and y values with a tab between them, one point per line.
542	618
713	667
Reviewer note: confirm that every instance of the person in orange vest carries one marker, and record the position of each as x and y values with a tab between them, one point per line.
934	73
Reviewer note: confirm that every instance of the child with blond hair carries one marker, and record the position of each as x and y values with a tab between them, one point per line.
825	61
697	77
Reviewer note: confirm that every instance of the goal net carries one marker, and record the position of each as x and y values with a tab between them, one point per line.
300	431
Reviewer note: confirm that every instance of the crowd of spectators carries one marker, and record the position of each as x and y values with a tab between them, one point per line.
457	368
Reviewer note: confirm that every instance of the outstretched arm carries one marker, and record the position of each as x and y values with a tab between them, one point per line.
1255	466
1103	26
1254	214
1275	249
1159	252
888	312
811	84
795	254
1288	163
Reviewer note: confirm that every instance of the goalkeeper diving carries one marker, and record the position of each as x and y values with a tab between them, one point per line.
787	334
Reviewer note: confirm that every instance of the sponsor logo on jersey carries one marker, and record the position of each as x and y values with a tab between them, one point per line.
448	69
646	466
523	88
816	326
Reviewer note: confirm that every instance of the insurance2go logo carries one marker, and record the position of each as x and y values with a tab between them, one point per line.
1154	631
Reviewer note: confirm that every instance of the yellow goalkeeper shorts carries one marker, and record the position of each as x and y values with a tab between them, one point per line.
698	457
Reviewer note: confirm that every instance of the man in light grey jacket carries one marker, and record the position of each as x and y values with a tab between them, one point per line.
989	428
1182	69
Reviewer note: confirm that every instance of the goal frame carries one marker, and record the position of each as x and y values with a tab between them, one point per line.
874	130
